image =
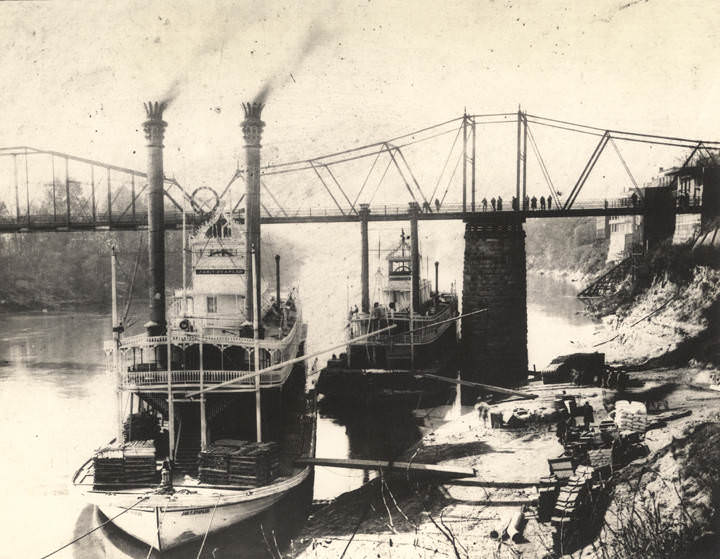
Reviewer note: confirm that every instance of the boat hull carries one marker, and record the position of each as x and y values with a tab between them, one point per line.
167	521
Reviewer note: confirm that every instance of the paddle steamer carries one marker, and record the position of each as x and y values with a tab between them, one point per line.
212	399
423	338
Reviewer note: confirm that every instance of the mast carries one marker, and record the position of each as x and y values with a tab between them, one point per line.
116	349
256	354
171	402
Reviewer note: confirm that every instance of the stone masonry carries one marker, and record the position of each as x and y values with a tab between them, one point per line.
495	341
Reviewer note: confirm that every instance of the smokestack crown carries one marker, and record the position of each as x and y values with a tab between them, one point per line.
154	126
252	126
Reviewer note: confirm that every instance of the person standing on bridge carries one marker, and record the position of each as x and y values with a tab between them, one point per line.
484	204
542	202
437	205
499	204
533	203
493	203
549	202
515	203
526	203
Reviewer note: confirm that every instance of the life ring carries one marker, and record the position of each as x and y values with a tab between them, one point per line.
184	324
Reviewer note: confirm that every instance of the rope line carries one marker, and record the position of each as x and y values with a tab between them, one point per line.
108	521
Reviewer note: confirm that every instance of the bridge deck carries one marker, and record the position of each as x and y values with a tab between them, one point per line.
173	218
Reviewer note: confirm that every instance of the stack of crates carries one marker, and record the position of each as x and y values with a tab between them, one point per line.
249	464
572	502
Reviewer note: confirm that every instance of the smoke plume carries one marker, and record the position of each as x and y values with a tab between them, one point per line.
315	36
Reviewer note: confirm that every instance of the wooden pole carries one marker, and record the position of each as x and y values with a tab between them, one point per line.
67	193
17	191
488	387
203	417
27	189
290	362
256	352
171	405
184	265
92	193
116	349
52	165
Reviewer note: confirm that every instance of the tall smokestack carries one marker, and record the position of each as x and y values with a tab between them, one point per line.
252	128
154	128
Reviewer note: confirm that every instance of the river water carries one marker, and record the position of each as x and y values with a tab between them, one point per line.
57	405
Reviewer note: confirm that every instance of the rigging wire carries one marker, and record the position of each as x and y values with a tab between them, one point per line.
108	521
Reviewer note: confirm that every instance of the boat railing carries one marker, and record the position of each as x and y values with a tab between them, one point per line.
191	377
425	327
189	338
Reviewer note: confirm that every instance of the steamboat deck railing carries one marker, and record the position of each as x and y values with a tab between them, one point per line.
191	378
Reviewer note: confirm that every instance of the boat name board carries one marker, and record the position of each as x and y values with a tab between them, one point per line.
196	511
220	271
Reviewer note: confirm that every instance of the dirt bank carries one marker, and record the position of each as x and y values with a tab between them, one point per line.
668	324
394	516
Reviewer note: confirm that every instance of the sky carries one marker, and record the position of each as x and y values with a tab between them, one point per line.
74	75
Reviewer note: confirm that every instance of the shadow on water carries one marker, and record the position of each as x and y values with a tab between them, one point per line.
266	535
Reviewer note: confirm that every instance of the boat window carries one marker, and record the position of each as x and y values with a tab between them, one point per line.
212	304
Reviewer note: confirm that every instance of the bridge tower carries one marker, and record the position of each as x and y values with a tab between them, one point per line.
494	342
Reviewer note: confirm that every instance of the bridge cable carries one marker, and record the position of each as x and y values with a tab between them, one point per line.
372	168
387	167
447	159
457	164
543	168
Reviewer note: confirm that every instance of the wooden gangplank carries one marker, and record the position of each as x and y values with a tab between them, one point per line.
488	387
414	467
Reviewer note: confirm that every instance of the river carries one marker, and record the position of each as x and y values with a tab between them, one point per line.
57	405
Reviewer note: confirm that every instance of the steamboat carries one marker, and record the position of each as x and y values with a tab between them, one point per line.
416	334
212	399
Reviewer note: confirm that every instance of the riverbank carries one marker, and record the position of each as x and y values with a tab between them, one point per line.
395	516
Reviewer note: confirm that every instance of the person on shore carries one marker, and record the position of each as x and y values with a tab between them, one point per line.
493	203
484	204
542	202
499	204
588	414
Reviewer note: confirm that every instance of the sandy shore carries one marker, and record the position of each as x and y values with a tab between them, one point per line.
394	516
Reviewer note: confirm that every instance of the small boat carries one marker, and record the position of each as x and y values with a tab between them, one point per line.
417	334
215	391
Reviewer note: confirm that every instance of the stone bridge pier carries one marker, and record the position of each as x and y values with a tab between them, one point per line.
494	342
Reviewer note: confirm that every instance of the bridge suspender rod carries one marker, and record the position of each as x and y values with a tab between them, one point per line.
382	178
262	183
109	197
326	187
447	160
472	175
464	162
242	197
543	167
92	193
17	191
524	156
586	171
67	193
372	168
27	189
132	202
518	194
457	164
52	168
252	374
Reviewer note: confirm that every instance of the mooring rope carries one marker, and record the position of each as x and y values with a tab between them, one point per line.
202	545
96	528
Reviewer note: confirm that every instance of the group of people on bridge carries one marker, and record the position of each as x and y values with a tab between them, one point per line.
496	204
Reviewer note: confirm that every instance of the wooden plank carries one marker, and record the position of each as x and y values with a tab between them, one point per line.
488	387
355	463
492	484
